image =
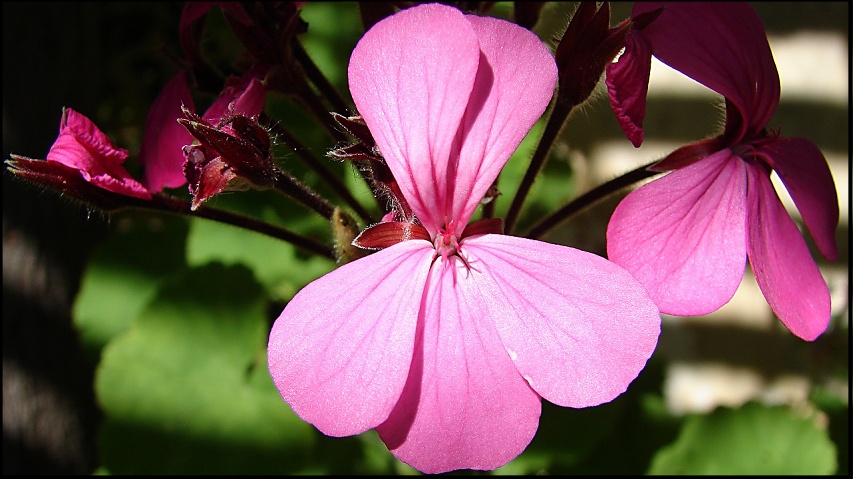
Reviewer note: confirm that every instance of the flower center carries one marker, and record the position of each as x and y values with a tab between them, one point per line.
448	242
446	245
748	151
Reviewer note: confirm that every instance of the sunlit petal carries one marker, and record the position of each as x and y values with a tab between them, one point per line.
805	172
784	268
683	236
512	89
412	90
83	146
341	350
465	405
577	327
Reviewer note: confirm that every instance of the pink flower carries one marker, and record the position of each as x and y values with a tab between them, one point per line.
162	150
84	147
687	235
240	96
162	145
447	340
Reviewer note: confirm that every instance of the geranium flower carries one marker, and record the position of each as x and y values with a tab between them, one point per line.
82	146
446	340
162	151
164	138
686	236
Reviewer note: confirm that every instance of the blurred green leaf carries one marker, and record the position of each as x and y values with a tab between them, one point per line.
279	266
124	273
754	439
330	41
832	399
186	388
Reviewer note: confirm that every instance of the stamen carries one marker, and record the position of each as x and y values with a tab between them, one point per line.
447	244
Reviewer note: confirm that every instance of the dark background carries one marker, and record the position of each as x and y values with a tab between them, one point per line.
102	60
108	61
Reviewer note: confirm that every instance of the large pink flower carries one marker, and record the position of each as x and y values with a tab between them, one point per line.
446	342
83	146
687	235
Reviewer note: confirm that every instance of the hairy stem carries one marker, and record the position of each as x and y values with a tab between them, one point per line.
329	92
589	198
314	104
171	204
325	173
303	194
555	123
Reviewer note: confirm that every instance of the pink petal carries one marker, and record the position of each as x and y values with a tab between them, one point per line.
722	46
805	172
683	236
577	327
411	77
118	180
783	267
162	145
506	101
627	82
85	132
83	146
244	96
465	406
340	352
250	102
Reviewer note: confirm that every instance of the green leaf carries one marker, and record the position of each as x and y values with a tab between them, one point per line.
186	388
754	439
279	266
330	41
124	273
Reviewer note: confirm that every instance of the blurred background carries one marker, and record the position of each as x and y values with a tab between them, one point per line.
110	60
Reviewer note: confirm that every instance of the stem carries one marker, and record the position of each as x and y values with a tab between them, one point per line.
315	105
325	173
303	194
552	129
328	91
590	197
171	204
318	78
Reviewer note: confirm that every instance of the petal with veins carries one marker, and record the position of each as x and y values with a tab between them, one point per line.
577	327
783	266
511	91
412	90
465	405
340	351
805	172
683	236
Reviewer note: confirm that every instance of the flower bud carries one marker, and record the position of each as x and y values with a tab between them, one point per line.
233	155
344	231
